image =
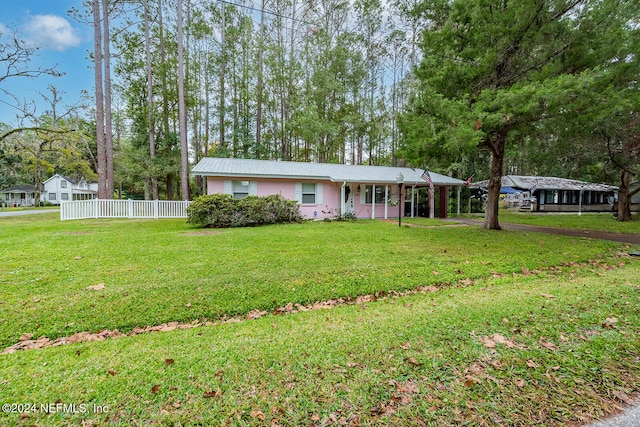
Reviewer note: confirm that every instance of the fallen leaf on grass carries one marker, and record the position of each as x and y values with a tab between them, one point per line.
256	314
499	339
488	342
155	388
469	382
623	397
549	296
412	361
168	362
530	363
25	337
212	394
98	287
519	383
548	345
111	372
77	257
258	414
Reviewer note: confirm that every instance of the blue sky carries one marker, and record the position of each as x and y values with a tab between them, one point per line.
61	40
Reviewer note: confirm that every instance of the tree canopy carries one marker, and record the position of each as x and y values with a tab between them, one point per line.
493	71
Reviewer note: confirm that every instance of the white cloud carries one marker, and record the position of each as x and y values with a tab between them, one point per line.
51	32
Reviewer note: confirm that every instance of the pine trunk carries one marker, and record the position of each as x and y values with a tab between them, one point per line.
624	197
97	65
182	112
496	144
152	131
108	132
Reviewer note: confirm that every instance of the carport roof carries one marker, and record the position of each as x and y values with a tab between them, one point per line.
547	183
247	168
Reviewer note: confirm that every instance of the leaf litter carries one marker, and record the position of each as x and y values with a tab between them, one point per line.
25	343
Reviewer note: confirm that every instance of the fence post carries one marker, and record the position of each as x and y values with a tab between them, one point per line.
130	208
155	208
97	208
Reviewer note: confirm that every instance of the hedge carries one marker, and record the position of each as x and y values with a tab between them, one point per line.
223	210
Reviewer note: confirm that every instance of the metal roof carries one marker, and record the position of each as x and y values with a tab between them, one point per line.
547	183
247	168
20	189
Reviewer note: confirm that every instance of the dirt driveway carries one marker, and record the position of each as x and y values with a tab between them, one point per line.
633	239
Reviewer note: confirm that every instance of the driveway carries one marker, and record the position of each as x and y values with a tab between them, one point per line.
28	212
591	234
629	418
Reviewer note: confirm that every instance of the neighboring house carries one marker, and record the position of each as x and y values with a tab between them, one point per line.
327	190
19	195
59	188
550	194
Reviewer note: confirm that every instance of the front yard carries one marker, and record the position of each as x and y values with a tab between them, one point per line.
495	327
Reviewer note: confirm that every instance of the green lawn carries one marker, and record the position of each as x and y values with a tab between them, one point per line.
511	331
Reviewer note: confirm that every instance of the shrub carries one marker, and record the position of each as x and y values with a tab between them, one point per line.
223	210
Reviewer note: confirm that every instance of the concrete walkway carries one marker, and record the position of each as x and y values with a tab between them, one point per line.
629	418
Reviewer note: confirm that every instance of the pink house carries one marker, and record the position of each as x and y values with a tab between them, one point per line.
328	190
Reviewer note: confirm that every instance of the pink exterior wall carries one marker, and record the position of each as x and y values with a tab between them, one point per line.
330	206
330	200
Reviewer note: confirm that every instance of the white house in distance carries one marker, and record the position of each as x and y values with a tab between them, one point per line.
327	190
59	188
19	195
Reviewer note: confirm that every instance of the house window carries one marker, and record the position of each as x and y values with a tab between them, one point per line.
64	196
308	193
63	184
240	189
369	194
52	196
550	196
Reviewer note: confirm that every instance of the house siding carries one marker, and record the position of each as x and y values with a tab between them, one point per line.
328	205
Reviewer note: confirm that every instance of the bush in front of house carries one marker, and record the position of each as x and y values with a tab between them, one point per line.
223	210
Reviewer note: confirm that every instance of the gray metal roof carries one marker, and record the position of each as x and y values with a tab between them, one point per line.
20	189
547	183
246	168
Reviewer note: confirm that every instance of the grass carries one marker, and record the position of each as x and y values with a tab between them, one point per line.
160	271
563	315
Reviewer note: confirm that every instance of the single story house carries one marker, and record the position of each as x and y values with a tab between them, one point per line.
60	188
551	194
327	190
19	195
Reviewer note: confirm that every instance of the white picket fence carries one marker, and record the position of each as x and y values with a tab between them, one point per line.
97	208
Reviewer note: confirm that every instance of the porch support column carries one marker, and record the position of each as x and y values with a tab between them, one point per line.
413	201
386	201
459	192
342	198
373	201
431	202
